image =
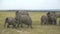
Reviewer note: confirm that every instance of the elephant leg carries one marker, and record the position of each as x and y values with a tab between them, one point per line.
21	25
55	22
50	22
14	25
41	22
31	26
8	26
18	25
27	26
44	23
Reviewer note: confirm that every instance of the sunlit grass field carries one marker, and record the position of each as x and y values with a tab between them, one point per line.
37	27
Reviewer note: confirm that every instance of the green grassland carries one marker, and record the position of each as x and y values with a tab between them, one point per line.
37	27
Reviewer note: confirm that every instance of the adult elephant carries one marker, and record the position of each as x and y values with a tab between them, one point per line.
26	20
44	19
18	15
23	17
10	21
52	18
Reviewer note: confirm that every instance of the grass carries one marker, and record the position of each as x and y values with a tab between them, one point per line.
37	28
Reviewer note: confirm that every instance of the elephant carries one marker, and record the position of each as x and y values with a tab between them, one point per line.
10	21
19	13
22	17
44	19
25	20
52	18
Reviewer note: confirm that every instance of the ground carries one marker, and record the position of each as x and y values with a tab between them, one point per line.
37	27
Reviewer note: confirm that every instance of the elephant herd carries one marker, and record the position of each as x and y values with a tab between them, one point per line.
50	18
22	17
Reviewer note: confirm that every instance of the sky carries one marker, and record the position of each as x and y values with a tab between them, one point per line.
29	4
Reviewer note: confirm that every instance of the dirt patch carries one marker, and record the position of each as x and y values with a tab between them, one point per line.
23	32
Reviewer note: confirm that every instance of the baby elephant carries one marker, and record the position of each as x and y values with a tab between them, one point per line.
10	21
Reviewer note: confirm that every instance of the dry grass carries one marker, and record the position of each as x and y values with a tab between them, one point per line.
37	28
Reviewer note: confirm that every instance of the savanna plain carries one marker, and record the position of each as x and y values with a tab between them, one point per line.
36	23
